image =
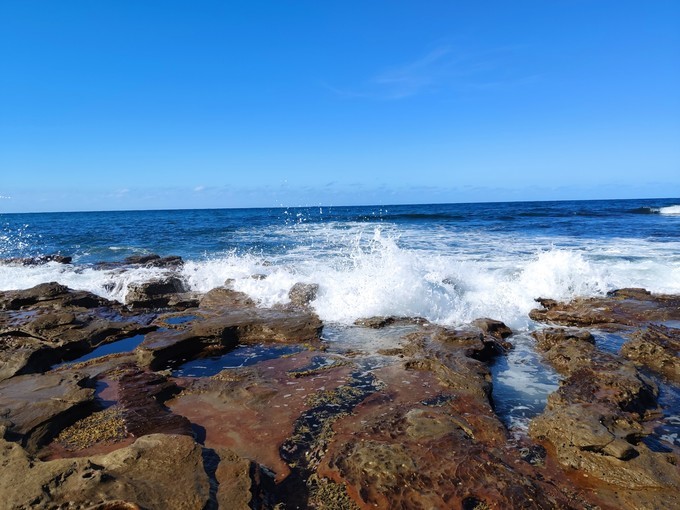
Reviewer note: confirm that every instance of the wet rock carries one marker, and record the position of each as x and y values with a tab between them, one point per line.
50	294
253	411
34	408
496	329
620	308
156	472
595	421
184	300
631	293
153	260
34	340
472	344
141	395
606	446
302	294
380	322
415	444
235	487
566	349
658	348
37	261
222	331
223	297
154	293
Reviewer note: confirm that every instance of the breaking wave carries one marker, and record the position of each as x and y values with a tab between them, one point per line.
373	272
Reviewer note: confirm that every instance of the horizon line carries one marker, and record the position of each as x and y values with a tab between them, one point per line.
410	204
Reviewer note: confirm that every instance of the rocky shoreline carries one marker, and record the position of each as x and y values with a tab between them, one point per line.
301	422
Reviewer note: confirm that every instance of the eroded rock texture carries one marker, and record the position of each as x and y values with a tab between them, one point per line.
408	425
598	421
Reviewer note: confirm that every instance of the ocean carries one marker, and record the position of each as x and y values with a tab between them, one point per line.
447	263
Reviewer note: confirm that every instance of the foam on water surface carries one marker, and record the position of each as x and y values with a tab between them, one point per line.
370	272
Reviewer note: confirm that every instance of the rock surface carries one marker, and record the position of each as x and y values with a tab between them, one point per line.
658	348
302	294
397	413
595	422
624	307
156	472
50	323
34	408
154	293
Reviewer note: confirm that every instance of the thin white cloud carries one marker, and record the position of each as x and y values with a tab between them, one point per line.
441	69
198	189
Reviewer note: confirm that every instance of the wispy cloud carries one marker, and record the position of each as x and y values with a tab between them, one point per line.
198	189
444	68
5	197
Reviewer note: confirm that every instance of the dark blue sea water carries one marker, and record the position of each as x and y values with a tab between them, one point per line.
108	236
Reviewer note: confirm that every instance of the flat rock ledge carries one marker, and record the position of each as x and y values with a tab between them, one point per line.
598	423
314	426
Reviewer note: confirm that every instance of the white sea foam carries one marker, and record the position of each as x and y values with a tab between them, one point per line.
673	210
364	271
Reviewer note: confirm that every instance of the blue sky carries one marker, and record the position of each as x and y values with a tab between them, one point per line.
128	104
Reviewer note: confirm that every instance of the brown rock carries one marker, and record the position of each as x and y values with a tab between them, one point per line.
222	297
141	396
302	294
379	322
594	422
34	340
658	348
154	293
496	329
50	294
156	472
624	307
224	330
566	349
235	489
34	408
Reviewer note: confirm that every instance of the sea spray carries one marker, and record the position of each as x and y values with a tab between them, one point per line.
447	263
